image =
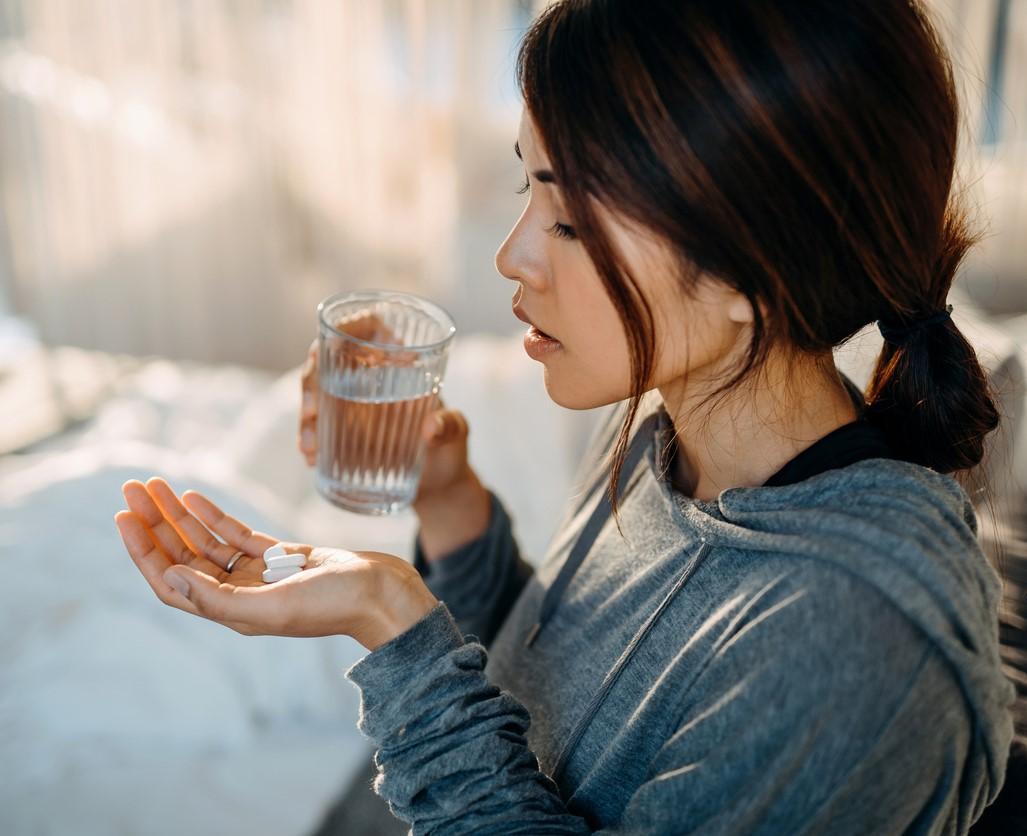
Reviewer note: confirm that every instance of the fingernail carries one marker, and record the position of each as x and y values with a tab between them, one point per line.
176	581
308	438
440	425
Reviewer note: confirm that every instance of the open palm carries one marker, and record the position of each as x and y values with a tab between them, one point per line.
339	592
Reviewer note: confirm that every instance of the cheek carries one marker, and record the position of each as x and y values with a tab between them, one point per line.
687	341
594	367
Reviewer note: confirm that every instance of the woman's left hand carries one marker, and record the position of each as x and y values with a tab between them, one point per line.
370	596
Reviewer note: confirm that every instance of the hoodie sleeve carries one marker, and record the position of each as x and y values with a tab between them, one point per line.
824	734
480	580
451	751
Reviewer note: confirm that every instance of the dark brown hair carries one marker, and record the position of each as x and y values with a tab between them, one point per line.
801	151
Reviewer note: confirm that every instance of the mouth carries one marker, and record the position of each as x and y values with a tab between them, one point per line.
523	317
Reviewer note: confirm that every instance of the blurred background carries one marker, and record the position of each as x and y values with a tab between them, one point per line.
191	178
181	182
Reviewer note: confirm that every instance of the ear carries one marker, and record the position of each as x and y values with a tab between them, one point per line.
739	310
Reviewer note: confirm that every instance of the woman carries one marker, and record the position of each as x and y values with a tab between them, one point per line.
788	625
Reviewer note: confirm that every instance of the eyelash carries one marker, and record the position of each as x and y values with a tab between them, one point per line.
561	231
558	229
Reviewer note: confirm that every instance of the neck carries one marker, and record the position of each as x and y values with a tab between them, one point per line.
753	430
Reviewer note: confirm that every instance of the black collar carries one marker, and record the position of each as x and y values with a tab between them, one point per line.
849	443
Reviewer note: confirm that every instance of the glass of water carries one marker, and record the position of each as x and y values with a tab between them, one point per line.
381	359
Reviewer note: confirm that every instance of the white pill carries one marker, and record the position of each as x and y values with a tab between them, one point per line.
275	551
279	561
272	575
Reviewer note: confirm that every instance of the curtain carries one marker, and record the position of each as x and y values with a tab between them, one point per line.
190	178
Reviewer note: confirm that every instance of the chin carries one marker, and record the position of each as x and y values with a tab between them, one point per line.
575	397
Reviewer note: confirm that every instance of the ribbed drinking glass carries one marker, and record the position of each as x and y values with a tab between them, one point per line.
381	361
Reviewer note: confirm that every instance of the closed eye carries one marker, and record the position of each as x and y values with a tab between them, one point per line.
558	229
561	230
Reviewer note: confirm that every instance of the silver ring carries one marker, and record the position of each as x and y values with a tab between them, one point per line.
232	560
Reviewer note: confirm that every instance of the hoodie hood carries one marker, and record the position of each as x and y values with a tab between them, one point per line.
932	569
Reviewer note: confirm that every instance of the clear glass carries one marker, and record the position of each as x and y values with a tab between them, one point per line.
381	360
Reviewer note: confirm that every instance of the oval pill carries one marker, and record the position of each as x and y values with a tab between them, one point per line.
274	552
277	550
280	561
272	575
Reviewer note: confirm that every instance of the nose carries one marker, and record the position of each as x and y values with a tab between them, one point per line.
519	258
503	260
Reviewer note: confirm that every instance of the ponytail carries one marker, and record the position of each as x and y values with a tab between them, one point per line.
933	399
928	391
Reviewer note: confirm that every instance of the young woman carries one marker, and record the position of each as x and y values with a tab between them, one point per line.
767	610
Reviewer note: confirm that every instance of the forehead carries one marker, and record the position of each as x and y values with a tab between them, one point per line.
527	137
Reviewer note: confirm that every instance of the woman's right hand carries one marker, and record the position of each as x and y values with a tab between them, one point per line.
444	431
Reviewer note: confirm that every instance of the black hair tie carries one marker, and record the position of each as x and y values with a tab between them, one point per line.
900	333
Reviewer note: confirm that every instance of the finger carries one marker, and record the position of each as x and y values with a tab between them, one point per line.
437	404
308	382
432	426
311	362
149	558
308	405
307	434
251	610
449	425
371	329
196	535
235	533
167	538
433	423
367	325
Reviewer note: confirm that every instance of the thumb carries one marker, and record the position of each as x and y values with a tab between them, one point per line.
203	590
222	602
445	425
177	581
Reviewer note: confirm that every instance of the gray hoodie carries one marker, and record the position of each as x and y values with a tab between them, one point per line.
816	657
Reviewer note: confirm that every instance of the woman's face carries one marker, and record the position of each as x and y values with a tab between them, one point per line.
560	291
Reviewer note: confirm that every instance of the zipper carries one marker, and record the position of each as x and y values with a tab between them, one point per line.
614	673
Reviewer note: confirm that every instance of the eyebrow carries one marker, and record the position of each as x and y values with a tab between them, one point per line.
543	175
